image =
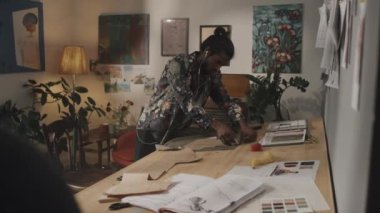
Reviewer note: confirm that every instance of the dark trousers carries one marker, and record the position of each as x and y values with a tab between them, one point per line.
145	143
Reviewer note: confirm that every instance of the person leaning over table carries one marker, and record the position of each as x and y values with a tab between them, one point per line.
183	89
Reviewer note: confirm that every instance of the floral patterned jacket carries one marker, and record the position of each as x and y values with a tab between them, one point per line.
180	95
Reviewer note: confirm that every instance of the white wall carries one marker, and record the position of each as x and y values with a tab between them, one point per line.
76	22
349	132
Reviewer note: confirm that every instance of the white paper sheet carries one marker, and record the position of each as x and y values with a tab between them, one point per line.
333	79
298	169
322	28
288	187
355	99
183	184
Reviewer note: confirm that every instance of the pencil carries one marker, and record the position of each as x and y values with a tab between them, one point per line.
273	172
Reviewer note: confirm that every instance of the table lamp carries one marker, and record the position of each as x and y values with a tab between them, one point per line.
73	61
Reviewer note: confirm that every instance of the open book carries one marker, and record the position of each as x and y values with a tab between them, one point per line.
196	194
285	132
286	125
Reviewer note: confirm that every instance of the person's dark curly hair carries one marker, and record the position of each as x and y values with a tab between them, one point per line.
219	43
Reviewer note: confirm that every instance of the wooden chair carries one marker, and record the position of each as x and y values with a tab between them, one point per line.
99	135
124	151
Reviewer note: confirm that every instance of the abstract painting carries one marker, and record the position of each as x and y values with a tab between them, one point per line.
124	39
277	38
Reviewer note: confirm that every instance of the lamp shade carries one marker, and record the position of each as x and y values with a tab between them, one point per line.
73	60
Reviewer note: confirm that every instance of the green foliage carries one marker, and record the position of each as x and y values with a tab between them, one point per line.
70	104
25	122
268	90
74	110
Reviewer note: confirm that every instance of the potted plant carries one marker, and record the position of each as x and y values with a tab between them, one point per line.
22	121
74	112
268	90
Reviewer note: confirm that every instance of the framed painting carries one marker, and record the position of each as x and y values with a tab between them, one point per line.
21	37
124	39
206	30
277	38
174	36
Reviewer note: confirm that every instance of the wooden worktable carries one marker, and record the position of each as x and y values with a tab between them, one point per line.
216	163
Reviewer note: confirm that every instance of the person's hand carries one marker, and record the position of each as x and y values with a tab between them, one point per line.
247	133
223	132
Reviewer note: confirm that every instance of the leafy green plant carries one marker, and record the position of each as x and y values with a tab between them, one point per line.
22	121
268	90
74	111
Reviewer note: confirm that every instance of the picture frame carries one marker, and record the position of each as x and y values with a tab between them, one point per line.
206	30
174	36
22	37
277	45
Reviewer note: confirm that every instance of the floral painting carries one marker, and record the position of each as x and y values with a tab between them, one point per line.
277	38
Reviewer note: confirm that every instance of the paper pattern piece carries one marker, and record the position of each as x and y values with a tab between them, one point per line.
162	165
208	144
137	183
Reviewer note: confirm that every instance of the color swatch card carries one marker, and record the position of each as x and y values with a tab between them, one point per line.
285	205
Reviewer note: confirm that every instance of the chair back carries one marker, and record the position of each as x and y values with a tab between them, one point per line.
124	152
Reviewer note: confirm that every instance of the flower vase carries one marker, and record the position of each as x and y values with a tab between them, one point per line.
121	126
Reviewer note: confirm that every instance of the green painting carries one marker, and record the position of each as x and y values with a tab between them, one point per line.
277	38
124	39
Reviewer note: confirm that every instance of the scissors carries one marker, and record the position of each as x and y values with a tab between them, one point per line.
117	206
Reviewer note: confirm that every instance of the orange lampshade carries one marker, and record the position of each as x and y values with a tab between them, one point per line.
73	60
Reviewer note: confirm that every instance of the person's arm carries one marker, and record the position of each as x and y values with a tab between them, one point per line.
221	98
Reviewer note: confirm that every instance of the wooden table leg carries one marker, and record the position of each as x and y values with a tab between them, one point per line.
108	151
100	149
